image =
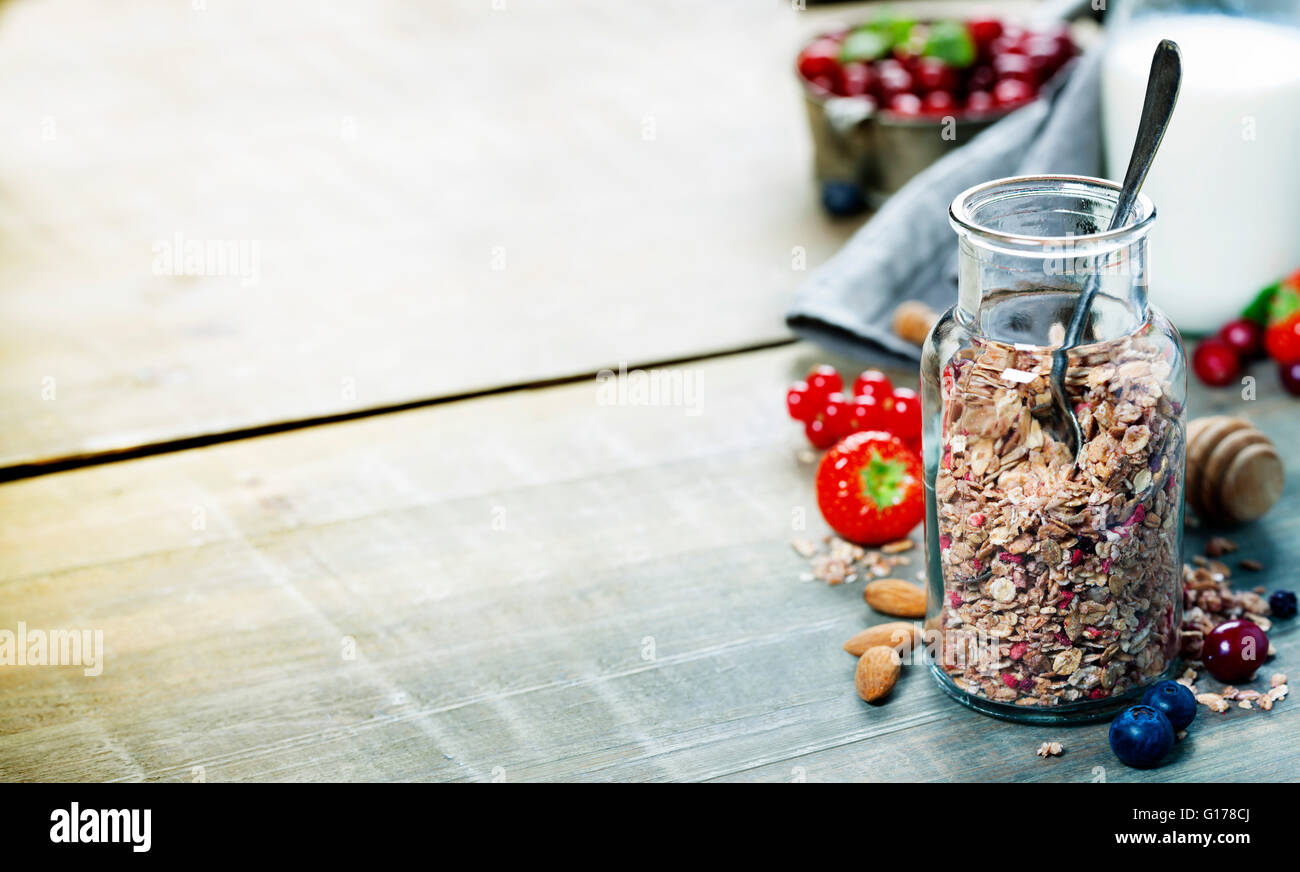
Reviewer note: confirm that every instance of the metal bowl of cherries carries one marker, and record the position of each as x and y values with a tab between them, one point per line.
887	98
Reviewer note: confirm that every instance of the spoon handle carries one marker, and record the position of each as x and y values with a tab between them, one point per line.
1157	109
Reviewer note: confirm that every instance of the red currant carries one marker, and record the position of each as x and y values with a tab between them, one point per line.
837	413
1283	339
820	434
1215	362
904	409
1233	650
867	413
872	383
1245	336
797	402
823	381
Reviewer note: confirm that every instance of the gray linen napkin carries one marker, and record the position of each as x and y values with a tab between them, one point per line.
908	251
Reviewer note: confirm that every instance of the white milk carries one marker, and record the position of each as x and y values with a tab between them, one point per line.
1226	183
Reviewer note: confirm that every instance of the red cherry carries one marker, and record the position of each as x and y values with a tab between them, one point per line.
892	80
797	403
984	30
1015	66
1215	362
905	104
939	103
858	79
904	409
979	102
1245	336
825	84
1045	51
981	78
823	381
1011	92
820	434
820	58
1290	373
872	382
933	74
1012	38
1234	650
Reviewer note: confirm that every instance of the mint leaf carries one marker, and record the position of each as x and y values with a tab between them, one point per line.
950	42
882	480
863	45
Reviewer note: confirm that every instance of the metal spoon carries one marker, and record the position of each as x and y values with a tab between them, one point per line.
1158	107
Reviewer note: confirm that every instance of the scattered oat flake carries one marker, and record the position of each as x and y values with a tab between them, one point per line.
1252	565
1277	678
1180	735
805	547
1246	704
897	547
1050	749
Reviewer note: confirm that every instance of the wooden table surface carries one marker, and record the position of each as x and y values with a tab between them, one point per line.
534	584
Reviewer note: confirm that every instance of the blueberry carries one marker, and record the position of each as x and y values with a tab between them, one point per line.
842	199
1176	701
1141	736
1282	604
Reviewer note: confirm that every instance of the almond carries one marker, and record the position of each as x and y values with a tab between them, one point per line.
893	596
877	673
899	635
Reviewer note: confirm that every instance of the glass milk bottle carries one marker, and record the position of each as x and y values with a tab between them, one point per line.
1054	587
1228	178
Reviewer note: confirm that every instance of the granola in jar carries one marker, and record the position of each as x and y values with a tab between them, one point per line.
1061	582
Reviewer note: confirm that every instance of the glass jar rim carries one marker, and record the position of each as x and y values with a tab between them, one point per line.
962	211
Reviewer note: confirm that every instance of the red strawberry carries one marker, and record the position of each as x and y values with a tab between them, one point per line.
869	488
1282	339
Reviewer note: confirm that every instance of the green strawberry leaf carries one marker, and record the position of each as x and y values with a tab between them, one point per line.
950	42
1257	311
882	480
1285	300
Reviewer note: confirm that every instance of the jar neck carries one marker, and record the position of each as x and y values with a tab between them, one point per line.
1027	247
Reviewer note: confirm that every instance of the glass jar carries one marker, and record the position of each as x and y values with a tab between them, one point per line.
1055	587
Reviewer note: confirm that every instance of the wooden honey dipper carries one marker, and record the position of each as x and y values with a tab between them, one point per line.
1234	473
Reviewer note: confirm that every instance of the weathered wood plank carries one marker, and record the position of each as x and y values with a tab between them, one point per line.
539	587
430	201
